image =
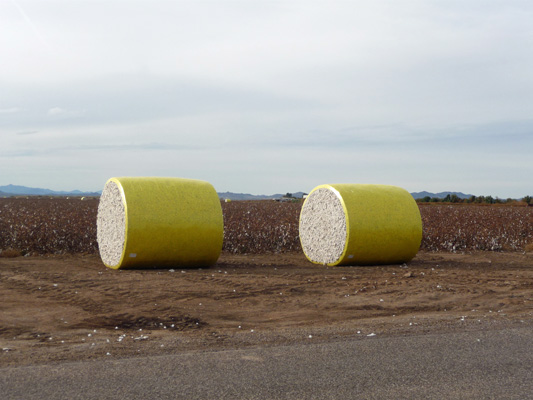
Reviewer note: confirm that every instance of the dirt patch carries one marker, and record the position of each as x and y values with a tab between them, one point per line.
63	308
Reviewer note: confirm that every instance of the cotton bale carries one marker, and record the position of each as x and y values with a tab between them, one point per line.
157	222
358	224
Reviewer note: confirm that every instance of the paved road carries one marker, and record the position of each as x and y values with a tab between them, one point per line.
467	365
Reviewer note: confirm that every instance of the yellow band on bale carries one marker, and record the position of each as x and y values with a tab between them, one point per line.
155	222
356	224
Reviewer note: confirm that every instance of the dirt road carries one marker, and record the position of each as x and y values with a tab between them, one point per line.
63	308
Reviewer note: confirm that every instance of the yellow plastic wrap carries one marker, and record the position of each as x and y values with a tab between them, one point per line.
168	222
382	225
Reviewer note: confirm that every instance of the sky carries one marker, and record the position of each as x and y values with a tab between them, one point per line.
268	97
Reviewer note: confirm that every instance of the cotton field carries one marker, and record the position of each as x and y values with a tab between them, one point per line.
60	226
463	228
48	226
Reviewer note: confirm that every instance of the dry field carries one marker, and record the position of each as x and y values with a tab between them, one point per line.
59	302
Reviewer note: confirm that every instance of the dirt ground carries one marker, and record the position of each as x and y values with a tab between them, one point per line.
66	308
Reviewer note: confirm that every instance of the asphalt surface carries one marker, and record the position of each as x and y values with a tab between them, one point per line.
466	365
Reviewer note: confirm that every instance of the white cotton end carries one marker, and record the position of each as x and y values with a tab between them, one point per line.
111	224
323	227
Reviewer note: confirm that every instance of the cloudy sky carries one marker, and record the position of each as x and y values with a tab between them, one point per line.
268	97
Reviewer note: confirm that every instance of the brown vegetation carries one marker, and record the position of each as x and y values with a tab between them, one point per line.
261	226
67	226
10	253
48	225
466	228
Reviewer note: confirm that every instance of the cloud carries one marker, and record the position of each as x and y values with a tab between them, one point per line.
424	93
11	110
59	113
147	147
27	133
32	26
55	111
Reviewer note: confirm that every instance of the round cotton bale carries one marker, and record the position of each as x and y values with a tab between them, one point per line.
356	224
156	222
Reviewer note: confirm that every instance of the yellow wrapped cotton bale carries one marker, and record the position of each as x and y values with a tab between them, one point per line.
155	222
356	224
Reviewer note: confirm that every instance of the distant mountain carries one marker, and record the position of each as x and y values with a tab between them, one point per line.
441	195
14	190
247	196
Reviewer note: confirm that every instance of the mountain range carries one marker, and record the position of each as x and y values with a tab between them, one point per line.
15	190
440	195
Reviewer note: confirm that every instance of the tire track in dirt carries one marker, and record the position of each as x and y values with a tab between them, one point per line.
244	300
49	290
